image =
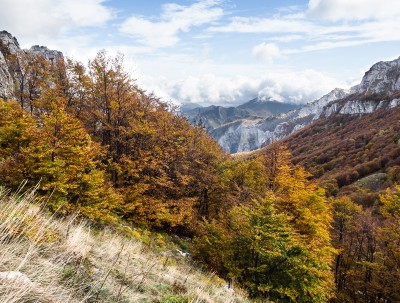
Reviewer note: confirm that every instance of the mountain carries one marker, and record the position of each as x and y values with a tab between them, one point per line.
266	108
379	88
218	119
347	138
213	117
255	132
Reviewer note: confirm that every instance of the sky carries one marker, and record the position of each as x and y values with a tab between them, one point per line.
222	52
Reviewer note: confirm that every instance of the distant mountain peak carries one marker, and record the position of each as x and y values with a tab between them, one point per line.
382	77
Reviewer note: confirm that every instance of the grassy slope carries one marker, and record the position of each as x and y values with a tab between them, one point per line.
44	259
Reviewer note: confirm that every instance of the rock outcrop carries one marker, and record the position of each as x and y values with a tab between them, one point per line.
382	78
49	54
6	81
9	47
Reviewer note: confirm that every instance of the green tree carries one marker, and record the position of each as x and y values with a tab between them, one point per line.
277	246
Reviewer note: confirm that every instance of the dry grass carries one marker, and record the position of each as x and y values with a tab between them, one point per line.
47	260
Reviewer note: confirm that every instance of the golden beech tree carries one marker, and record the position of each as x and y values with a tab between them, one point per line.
65	160
31	74
15	124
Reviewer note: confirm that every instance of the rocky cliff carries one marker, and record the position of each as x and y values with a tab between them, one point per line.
10	49
8	46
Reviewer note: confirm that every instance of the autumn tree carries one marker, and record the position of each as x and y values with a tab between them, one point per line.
65	161
367	267
15	126
31	76
278	245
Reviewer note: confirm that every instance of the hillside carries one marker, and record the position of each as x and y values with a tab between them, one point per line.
48	260
346	148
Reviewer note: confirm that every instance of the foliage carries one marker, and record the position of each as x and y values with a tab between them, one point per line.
367	268
14	137
277	246
103	148
346	148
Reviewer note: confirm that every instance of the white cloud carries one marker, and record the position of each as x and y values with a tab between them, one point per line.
164	31
207	89
47	18
354	9
265	25
266	52
286	38
323	24
300	87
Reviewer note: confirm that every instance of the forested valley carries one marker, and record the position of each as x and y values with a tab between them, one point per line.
98	146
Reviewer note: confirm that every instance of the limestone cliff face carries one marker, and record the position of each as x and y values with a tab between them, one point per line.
8	43
9	47
6	81
49	54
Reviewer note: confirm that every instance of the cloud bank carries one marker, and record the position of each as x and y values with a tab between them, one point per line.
208	89
29	20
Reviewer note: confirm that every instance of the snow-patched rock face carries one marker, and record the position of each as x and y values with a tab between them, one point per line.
375	91
250	135
315	108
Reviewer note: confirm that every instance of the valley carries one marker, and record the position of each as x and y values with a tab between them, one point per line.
263	202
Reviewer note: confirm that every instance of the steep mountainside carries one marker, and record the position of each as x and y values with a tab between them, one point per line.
266	108
8	45
379	88
346	148
213	116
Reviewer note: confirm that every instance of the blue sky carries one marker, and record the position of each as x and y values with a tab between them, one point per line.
219	51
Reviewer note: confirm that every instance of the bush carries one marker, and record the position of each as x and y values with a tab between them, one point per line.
172	298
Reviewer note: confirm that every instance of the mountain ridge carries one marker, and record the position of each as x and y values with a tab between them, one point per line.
379	88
